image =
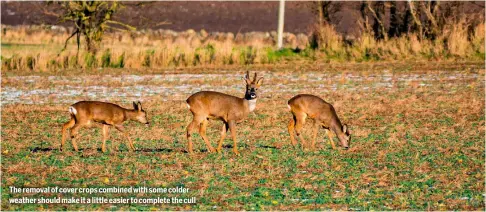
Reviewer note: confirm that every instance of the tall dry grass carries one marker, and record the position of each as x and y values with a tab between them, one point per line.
120	50
26	48
457	41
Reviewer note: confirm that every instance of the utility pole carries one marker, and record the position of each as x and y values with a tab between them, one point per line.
281	11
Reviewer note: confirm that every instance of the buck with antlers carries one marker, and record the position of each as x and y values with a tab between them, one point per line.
84	113
206	105
323	113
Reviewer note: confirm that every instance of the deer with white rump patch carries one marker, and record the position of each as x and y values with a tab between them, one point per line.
84	113
207	105
323	113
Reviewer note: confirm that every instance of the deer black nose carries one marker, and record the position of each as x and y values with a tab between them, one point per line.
346	147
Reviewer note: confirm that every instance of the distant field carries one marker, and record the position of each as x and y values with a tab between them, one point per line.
418	137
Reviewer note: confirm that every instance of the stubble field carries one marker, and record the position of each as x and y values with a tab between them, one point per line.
417	144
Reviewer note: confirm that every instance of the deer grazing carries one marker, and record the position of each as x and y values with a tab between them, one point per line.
206	105
323	113
84	113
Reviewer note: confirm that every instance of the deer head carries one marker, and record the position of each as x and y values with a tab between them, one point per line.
344	137
252	86
140	114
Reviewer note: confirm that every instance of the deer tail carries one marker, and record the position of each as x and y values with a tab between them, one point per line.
73	112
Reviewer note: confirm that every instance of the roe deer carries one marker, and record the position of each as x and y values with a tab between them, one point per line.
305	105
85	112
206	105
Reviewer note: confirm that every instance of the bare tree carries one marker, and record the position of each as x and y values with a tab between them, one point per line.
324	10
377	10
427	19
91	19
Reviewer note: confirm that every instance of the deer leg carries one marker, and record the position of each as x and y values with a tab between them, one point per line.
129	143
223	135
232	126
300	121
291	128
329	134
105	135
190	129
66	126
314	134
114	147
202	132
74	135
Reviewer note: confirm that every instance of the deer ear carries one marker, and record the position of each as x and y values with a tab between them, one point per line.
135	106
139	106
260	81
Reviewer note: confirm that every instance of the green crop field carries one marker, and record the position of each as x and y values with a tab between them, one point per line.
417	138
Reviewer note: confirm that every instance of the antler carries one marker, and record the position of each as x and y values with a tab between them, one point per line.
255	77
247	78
